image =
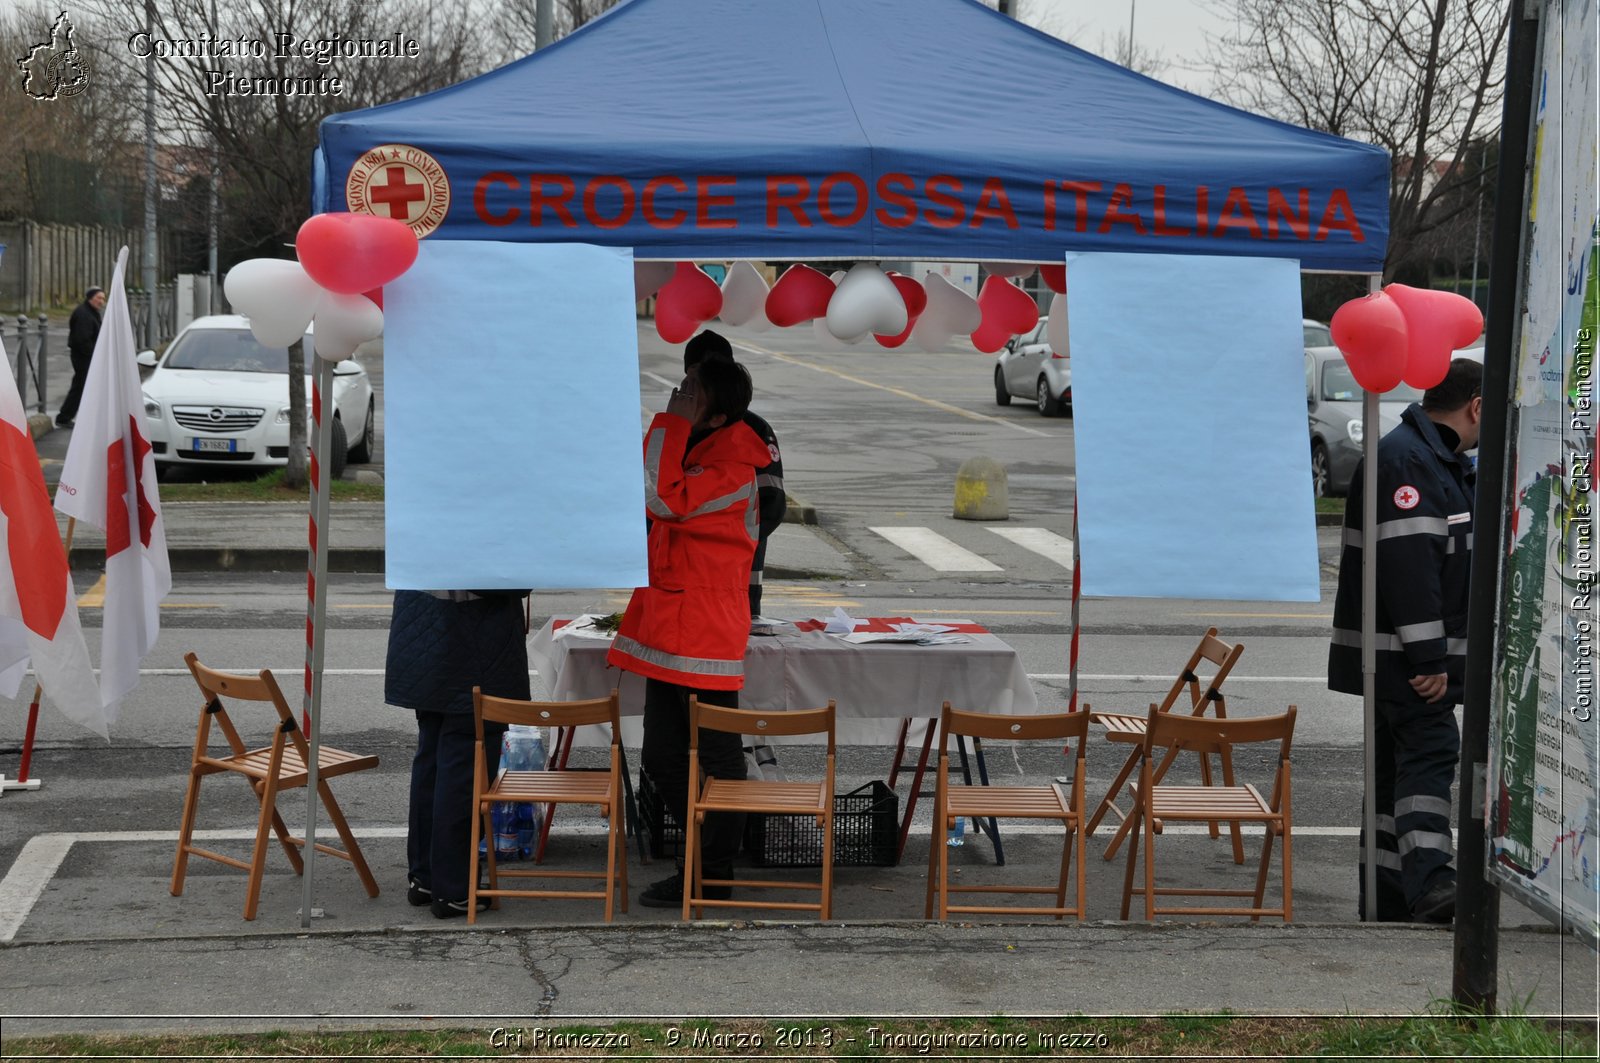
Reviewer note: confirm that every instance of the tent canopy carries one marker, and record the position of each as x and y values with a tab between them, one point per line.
908	129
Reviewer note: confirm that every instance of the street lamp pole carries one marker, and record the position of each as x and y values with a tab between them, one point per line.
148	274
1133	5
543	28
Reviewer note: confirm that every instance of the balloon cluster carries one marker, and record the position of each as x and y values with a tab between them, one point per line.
1404	333
345	260
848	306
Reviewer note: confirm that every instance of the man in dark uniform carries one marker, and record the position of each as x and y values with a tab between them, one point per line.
83	329
1424	557
769	479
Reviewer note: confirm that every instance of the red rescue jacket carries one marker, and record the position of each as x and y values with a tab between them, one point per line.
691	625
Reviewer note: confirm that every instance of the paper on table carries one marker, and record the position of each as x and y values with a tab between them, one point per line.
920	638
582	627
841	623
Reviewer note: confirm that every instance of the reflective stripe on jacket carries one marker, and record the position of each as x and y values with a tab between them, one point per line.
1424	552
691	624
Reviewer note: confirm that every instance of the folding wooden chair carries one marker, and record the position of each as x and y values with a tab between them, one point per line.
1130	729
788	797
1156	804
1049	802
602	789
269	770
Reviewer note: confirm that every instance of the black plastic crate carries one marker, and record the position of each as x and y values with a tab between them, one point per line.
866	833
659	825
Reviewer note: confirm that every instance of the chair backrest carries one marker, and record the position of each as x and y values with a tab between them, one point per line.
262	687
1205	734
545	713
1220	654
759	722
1005	726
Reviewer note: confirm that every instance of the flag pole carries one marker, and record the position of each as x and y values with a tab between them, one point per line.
316	608
1370	427
22	781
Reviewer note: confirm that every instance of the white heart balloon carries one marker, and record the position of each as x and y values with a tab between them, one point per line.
930	335
277	296
651	277
949	308
345	322
744	294
866	300
1009	269
827	340
1055	328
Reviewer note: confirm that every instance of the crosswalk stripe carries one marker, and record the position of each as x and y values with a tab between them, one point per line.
1042	542
935	551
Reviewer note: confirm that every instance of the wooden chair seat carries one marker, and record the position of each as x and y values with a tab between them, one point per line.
754	795
1013	802
1130	728
268	770
1048	802
603	789
1155	803
257	763
791	797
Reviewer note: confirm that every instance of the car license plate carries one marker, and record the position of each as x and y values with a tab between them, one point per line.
225	446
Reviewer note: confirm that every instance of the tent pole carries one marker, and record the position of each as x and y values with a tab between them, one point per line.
316	609
1369	652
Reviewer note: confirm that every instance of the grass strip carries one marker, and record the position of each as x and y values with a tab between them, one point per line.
267	488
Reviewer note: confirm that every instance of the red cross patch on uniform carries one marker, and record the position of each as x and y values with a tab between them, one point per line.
1407	497
772	448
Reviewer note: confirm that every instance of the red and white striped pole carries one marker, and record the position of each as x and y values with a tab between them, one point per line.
316	608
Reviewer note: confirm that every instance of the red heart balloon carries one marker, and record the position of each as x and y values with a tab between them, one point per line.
686	302
1371	334
801	294
1437	323
1007	311
1055	277
916	300
376	295
355	253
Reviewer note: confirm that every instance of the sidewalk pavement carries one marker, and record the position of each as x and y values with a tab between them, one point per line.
272	537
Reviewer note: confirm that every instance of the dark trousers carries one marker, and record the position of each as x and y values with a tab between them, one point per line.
665	755
1416	752
439	836
80	373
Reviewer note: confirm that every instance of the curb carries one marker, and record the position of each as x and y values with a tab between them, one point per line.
799	512
1330	520
219	558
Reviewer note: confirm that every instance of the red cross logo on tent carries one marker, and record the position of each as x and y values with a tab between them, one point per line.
401	182
1407	497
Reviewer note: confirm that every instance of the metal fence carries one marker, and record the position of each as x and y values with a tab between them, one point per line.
27	344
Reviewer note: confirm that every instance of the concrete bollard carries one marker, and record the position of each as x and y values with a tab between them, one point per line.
981	491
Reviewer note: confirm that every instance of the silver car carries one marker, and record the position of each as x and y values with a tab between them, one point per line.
1333	407
1028	369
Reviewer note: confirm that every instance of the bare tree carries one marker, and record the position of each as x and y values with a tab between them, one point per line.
1421	79
253	80
514	21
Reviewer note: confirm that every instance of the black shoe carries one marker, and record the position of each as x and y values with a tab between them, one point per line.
451	909
668	892
1438	905
64	423
418	895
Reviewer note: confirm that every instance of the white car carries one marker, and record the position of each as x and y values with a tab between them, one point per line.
1027	368
217	398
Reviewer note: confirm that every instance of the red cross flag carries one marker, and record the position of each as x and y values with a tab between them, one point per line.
108	480
38	609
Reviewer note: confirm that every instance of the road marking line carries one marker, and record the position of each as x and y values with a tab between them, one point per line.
1041	541
1263	616
935	551
94	597
663	381
35	866
902	392
1082	676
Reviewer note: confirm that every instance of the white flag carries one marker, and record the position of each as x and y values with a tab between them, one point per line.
38	608
109	480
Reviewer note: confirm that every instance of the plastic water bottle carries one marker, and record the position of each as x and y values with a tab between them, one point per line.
525	746
958	832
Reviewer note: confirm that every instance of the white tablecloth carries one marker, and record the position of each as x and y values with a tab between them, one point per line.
874	686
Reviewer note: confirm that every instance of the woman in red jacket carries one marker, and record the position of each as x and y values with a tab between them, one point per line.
686	632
